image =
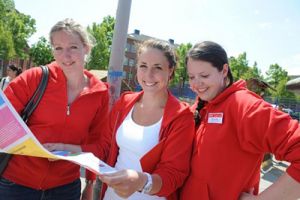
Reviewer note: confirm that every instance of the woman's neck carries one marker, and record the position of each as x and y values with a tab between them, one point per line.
150	100
75	85
76	81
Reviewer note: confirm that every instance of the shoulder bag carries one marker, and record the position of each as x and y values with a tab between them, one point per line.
28	110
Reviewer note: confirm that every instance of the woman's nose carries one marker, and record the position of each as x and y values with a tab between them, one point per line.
149	73
67	53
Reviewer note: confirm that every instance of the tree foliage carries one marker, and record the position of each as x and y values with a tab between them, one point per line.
15	29
241	70
275	73
103	34
277	77
41	52
181	73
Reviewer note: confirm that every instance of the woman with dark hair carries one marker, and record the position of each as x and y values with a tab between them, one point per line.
234	129
12	72
147	126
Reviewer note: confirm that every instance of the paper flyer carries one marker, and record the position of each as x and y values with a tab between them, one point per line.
16	138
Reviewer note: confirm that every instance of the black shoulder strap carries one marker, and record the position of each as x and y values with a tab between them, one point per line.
2	80
37	96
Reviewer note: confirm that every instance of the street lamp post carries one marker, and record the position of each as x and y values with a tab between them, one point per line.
115	72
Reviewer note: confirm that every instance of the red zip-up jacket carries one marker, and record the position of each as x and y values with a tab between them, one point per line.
53	121
227	156
177	131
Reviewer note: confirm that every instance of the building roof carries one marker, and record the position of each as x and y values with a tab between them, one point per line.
293	84
294	76
100	74
141	37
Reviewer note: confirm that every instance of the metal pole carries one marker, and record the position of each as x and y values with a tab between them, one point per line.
115	72
115	67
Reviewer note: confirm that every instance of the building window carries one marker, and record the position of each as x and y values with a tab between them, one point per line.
131	62
128	47
133	48
125	62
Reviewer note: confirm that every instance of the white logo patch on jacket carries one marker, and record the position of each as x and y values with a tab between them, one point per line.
215	118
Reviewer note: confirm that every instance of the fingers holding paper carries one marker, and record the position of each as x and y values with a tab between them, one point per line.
125	182
62	147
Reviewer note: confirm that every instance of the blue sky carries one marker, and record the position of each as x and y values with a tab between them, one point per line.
268	31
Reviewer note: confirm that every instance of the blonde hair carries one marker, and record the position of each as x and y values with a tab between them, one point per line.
72	26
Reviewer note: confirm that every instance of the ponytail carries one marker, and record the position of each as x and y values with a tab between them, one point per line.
19	71
197	116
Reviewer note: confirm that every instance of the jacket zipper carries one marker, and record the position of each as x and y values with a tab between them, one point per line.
68	110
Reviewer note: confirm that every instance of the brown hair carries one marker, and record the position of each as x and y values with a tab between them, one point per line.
165	47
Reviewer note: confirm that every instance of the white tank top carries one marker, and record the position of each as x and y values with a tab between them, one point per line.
134	141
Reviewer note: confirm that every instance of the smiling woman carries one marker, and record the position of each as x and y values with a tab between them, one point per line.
61	121
147	127
235	125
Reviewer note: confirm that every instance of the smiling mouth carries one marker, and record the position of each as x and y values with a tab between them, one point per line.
68	64
149	84
201	90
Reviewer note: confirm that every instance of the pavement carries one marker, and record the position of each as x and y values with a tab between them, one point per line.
270	172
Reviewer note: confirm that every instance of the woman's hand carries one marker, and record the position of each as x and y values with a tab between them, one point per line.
125	182
54	146
62	147
248	195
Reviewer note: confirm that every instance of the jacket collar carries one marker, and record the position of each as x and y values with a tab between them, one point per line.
236	86
58	75
172	110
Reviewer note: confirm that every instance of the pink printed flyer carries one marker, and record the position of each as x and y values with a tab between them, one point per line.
11	130
16	138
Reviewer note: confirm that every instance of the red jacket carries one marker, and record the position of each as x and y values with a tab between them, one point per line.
227	156
51	124
177	131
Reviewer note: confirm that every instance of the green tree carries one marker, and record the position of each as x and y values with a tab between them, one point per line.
241	70
181	72
22	27
277	77
41	52
103	34
15	28
7	49
253	72
275	73
239	65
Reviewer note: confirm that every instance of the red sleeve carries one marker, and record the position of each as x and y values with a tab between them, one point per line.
265	129
20	90
175	159
98	141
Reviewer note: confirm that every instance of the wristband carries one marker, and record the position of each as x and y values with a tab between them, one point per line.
148	186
